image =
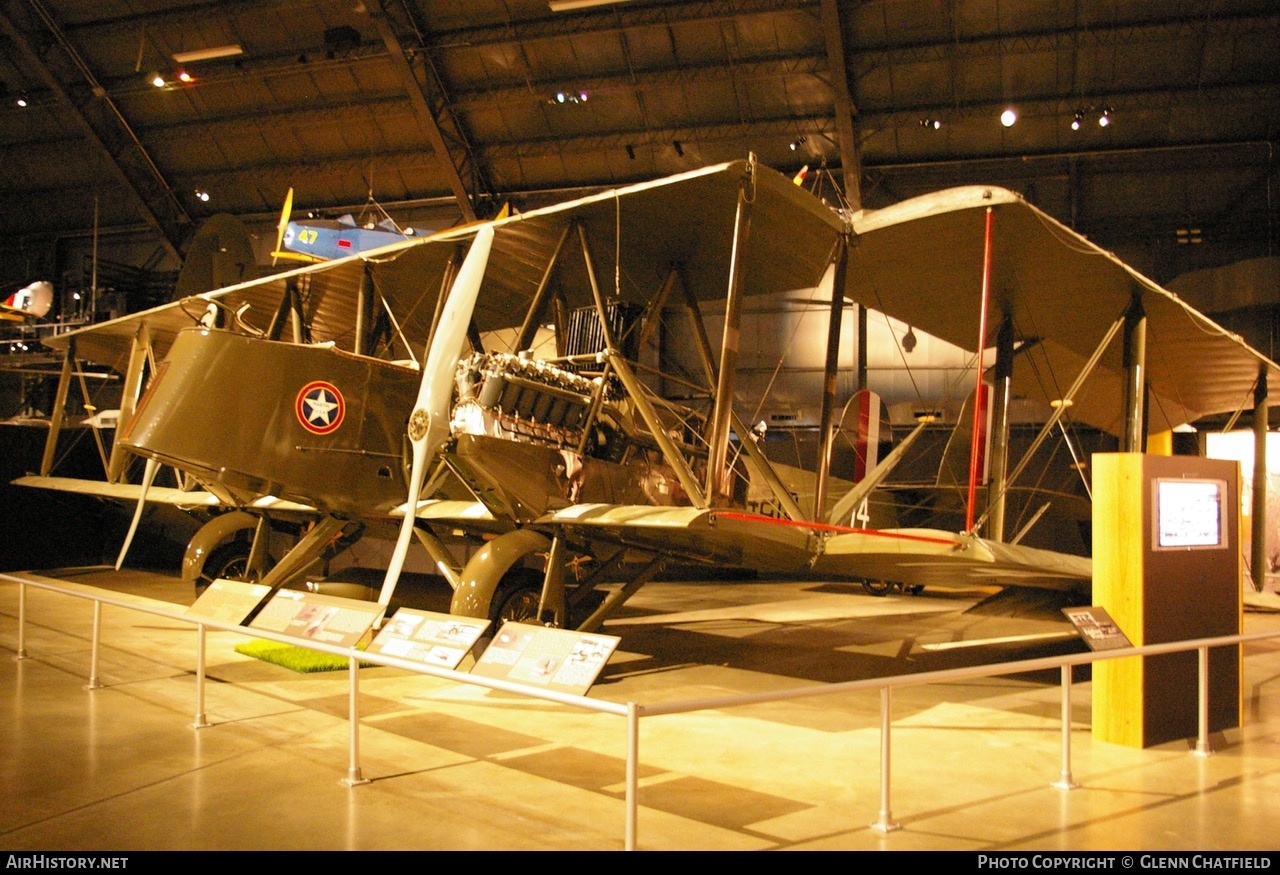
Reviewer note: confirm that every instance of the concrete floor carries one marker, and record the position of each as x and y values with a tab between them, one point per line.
460	767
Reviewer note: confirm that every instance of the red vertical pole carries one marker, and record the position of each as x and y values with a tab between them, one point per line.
975	450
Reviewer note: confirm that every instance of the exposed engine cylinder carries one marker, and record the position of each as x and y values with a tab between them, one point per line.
502	395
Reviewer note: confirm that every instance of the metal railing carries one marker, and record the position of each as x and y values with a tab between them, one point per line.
634	711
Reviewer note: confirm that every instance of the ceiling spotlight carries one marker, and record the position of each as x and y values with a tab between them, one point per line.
797	143
155	79
1075	122
932	123
1008	117
567	97
22	100
202	194
1105	118
679	147
184	76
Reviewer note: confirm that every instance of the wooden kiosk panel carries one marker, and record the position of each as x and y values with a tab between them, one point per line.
1166	566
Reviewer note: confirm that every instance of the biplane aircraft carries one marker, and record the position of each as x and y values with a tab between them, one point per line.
571	458
318	239
30	302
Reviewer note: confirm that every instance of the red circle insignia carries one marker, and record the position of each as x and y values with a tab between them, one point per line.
320	407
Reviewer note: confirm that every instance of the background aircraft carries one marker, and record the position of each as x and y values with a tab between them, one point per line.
34	300
316	239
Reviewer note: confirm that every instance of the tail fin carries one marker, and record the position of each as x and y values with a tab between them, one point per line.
285	212
864	426
279	251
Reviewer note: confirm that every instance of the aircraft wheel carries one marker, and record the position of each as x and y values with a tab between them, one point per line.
517	597
229	561
877	587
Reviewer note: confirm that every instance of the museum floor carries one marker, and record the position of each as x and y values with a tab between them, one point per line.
459	767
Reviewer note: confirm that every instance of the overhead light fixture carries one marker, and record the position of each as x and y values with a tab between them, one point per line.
931	123
1008	117
156	79
797	143
1077	120
909	340
679	147
566	97
631	151
1105	118
571	5
1188	235
184	76
22	100
209	54
202	194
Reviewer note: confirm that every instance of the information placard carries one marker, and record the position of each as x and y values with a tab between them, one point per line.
228	601
1097	628
557	659
312	617
428	637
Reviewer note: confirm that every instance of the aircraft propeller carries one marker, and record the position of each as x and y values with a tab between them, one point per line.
429	422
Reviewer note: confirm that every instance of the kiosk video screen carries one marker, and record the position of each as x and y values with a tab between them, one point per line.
1189	514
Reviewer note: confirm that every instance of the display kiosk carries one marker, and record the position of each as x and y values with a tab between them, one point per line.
1166	567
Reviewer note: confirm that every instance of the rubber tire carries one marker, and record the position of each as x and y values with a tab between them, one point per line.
877	588
229	561
517	598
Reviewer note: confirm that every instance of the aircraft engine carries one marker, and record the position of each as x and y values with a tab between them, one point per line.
505	396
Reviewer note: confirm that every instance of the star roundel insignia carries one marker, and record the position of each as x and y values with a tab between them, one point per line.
320	407
418	422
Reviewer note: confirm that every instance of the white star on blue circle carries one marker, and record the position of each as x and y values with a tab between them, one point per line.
320	406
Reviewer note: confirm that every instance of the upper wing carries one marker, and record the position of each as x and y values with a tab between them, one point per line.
921	261
635	235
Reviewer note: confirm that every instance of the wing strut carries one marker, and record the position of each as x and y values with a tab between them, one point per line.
1000	429
529	330
1060	406
771	478
975	447
669	450
700	335
429	422
826	429
718	452
875	476
138	356
1135	375
59	407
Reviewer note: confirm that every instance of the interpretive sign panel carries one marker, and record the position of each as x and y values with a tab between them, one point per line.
1097	628
228	601
312	617
557	659
428	637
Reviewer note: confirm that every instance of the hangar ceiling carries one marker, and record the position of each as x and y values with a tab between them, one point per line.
442	109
